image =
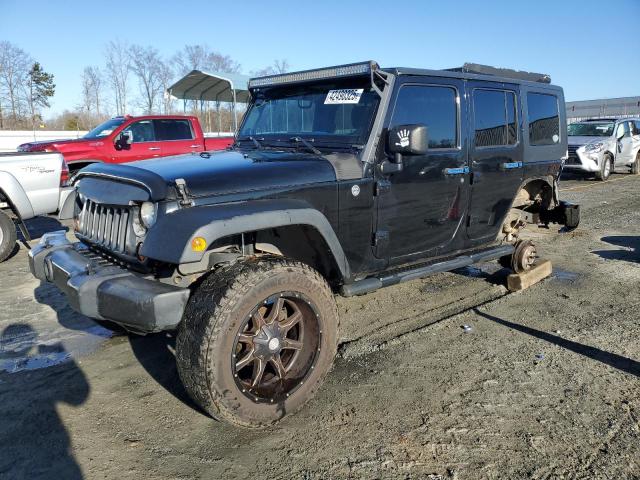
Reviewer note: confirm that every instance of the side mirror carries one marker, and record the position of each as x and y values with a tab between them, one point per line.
123	141
619	133
408	140
405	140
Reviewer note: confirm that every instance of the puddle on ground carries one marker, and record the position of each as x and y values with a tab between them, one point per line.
481	270
564	275
23	348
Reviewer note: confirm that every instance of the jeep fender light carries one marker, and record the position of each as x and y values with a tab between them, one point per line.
198	244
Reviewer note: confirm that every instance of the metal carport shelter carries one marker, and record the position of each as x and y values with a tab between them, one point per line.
213	87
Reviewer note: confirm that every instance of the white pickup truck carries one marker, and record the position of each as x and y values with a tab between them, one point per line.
31	184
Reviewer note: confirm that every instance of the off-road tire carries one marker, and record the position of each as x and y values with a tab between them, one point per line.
635	167
603	174
214	316
8	236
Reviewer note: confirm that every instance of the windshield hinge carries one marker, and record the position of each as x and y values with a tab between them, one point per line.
183	191
376	73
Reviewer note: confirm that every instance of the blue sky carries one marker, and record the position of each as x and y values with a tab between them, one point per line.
591	48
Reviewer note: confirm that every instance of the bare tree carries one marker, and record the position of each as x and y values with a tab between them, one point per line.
14	69
118	64
278	66
94	79
147	66
201	57
166	76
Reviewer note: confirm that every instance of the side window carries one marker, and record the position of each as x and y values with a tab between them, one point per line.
141	131
494	118
173	130
434	106
544	119
636	127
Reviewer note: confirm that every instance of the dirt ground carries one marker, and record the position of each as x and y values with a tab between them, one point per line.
543	383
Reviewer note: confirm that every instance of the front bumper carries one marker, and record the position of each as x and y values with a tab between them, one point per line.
584	162
105	291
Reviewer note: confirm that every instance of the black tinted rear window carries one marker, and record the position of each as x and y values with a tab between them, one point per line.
494	118
544	119
173	130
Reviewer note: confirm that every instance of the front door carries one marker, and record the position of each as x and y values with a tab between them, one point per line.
143	143
624	143
496	156
420	209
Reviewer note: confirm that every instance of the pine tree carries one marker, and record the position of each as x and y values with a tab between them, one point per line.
41	88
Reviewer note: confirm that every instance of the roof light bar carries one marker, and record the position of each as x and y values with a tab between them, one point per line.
350	70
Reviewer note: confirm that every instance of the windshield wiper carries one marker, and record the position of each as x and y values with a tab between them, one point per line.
257	143
306	144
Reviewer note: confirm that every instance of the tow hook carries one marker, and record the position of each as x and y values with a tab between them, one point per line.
183	191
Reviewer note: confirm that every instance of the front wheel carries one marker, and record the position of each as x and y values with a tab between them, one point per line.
8	236
635	167
257	340
605	169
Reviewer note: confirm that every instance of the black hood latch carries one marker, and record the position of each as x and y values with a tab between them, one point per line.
183	191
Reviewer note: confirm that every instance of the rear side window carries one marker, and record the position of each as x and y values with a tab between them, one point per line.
494	118
544	119
434	106
173	130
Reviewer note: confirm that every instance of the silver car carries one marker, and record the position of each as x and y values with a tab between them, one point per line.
600	145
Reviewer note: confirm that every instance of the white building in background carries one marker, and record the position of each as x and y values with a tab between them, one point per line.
605	107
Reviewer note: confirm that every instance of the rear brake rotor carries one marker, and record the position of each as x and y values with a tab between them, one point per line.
524	257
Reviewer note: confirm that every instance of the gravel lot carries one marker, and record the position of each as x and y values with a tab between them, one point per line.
545	384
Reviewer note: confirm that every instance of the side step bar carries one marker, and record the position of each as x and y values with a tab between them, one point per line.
371	284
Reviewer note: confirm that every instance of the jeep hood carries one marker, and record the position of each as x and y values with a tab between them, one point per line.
221	173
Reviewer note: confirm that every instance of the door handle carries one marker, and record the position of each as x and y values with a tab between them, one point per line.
194	146
456	171
510	165
154	148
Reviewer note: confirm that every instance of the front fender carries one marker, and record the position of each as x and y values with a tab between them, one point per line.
16	196
170	238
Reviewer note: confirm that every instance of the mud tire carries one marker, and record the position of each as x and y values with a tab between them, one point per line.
213	317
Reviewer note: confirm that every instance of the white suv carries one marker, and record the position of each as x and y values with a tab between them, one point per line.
599	145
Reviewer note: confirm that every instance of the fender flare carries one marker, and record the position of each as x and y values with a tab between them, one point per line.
169	240
16	196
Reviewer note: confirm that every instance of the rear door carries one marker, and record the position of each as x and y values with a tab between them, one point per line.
176	136
143	144
496	156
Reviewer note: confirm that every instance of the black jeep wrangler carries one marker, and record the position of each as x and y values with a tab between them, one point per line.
344	179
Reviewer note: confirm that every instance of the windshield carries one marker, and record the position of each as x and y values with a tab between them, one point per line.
104	129
321	113
591	129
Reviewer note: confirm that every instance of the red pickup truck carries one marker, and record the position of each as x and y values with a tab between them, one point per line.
127	139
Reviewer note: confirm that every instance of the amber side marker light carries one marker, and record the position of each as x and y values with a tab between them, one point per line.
198	244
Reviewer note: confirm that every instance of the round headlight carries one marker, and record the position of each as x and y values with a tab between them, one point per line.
148	214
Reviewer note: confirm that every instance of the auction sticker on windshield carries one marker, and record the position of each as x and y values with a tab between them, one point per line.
345	95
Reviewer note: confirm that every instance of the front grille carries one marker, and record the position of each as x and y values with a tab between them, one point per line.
107	226
573	156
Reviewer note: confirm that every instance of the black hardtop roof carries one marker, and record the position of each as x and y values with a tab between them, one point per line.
459	73
471	71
